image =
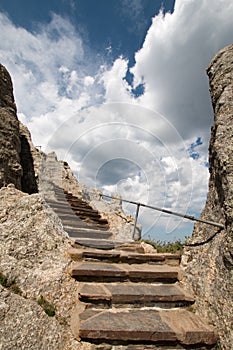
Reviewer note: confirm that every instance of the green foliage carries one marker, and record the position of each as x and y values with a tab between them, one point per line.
48	308
9	283
166	247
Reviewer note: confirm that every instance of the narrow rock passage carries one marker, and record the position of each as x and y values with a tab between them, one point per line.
127	299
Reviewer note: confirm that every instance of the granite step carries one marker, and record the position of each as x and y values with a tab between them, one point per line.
91	234
104	272
63	198
143	326
78	213
138	294
105	244
78	222
85	214
87	226
73	216
124	256
64	201
78	202
65	204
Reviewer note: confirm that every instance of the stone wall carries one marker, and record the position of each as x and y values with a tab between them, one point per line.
10	167
208	261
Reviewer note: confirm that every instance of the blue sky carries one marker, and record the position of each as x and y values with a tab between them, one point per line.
118	88
117	24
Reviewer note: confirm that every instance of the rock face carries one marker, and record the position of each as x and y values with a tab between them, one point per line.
17	154
33	246
10	167
30	160
208	261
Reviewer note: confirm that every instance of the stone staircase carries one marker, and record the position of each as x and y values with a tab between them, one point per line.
127	299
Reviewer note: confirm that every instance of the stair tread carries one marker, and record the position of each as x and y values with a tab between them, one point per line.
145	325
122	255
142	272
132	292
96	234
71	214
77	223
96	243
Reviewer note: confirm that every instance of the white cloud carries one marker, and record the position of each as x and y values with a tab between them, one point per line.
172	62
55	82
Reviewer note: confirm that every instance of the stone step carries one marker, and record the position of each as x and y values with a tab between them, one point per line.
64	201
58	204
78	209
63	198
66	205
105	244
77	222
95	234
124	256
60	196
61	213
79	204
87	212
104	272
138	294
86	226
147	326
72	217
62	209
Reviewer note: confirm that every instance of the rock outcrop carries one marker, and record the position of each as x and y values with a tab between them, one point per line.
32	250
208	260
10	147
16	149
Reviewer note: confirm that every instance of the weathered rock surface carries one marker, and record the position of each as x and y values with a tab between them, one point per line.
17	153
208	263
10	146
30	159
32	252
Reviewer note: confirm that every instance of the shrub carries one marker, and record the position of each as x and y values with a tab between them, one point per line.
166	247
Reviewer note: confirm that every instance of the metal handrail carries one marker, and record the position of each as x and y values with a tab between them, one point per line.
163	210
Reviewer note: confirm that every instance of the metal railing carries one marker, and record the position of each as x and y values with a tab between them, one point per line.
163	210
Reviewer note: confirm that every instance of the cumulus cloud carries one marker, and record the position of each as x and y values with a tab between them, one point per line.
172	62
48	68
151	148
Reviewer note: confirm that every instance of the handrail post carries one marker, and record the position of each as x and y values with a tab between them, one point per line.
136	219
